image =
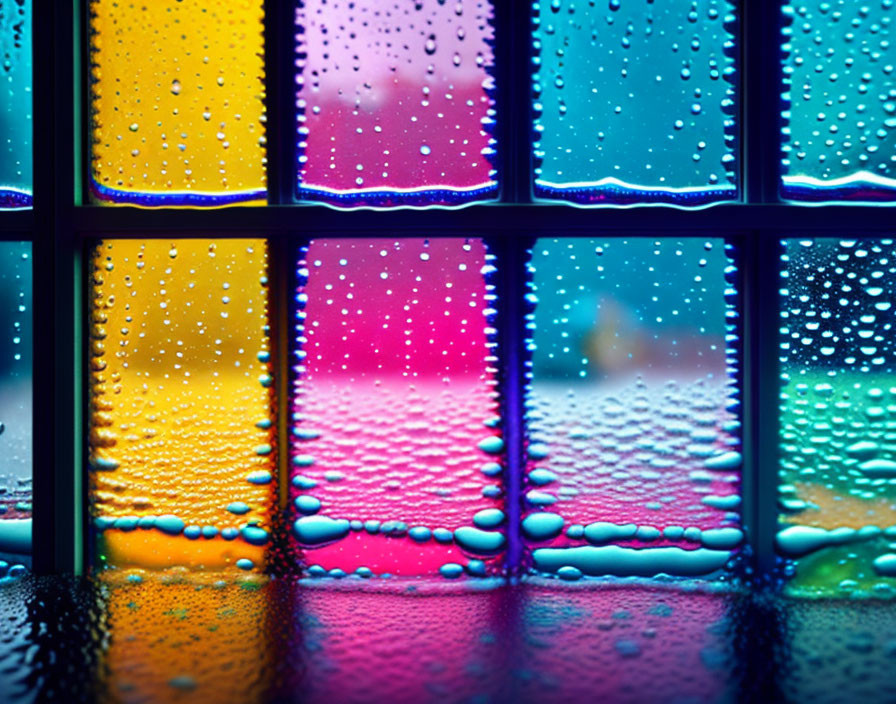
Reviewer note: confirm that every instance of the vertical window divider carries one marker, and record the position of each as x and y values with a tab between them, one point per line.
759	262
57	465
279	28
281	289
513	73
279	43
760	100
511	260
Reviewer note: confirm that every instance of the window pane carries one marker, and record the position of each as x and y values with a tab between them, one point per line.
15	407
837	491
181	443
397	453
395	102
633	446
177	103
15	104
839	91
635	101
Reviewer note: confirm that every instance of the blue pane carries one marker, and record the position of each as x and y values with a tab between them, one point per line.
839	136
15	406
633	454
15	104
635	101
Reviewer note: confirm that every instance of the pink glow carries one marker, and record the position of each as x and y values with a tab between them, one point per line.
393	394
402	93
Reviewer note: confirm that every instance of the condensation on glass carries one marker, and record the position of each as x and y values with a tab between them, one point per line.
635	102
181	450
206	638
15	105
396	102
177	103
633	447
15	408
837	487
839	101
397	455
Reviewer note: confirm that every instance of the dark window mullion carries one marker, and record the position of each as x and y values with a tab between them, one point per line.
280	88
513	105
510	286
760	99
759	260
57	538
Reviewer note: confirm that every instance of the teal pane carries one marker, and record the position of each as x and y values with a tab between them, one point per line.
839	134
15	104
633	448
15	407
635	101
837	490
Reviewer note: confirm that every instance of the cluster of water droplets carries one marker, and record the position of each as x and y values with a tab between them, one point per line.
840	100
635	101
396	103
838	424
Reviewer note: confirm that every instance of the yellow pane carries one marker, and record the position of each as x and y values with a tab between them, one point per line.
178	102
182	461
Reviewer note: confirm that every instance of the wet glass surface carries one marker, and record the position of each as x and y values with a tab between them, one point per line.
635	101
177	109
16	427
396	102
15	104
245	640
181	446
633	453
837	475
838	101
397	454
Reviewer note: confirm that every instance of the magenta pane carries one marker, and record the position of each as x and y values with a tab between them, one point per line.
397	454
395	102
633	464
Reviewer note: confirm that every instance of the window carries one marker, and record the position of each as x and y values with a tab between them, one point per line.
598	392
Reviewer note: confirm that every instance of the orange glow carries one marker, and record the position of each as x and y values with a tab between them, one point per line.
181	421
181	635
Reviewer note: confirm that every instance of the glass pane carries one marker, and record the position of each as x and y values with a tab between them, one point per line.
396	102
177	103
397	454
15	104
837	490
633	446
15	408
840	101
181	442
635	101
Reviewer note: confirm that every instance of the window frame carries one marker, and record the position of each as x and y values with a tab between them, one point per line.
62	225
